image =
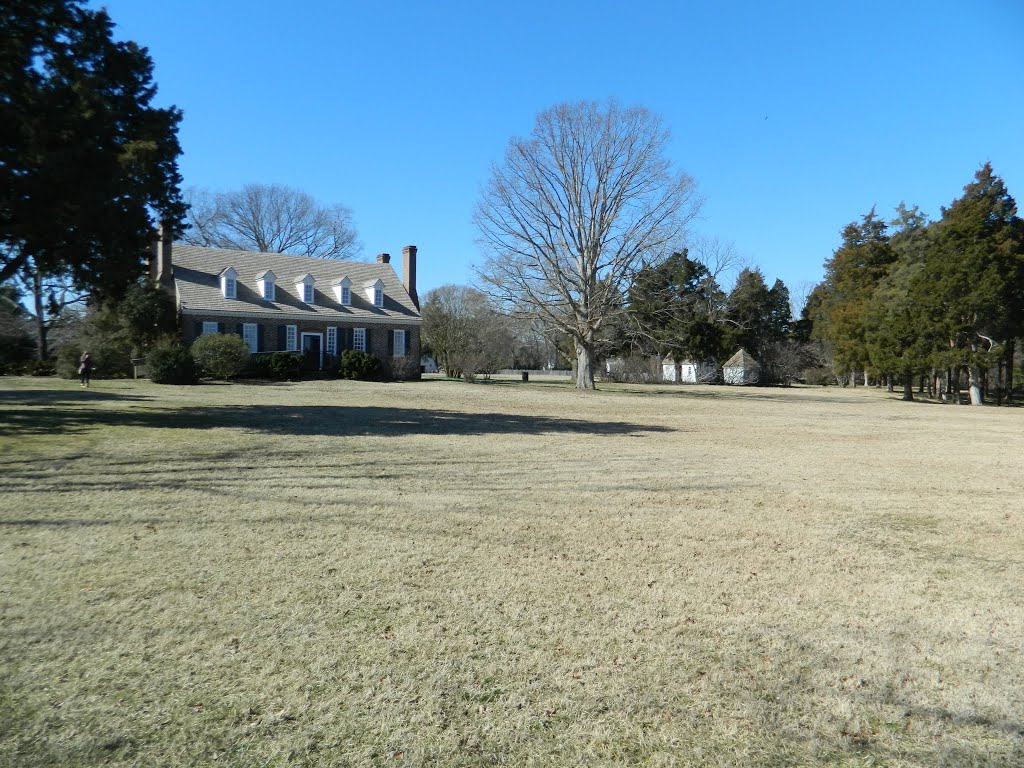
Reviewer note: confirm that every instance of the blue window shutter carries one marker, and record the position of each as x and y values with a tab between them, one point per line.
240	330
408	342
367	332
347	338
199	329
281	337
220	327
259	337
391	343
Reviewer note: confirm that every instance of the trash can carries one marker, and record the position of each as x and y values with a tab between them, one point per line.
526	375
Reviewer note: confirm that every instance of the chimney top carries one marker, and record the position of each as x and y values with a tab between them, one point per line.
409	273
383	258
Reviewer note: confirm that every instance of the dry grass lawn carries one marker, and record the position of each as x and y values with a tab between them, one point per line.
342	573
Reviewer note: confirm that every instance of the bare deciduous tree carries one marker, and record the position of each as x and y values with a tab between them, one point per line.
465	334
574	211
723	263
271	218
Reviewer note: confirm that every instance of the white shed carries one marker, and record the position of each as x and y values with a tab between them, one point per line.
741	368
688	371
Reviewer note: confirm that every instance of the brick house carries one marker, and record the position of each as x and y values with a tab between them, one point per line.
279	302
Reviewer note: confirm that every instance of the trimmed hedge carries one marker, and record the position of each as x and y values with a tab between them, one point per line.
357	365
171	363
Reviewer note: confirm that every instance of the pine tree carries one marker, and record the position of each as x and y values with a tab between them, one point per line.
673	306
970	289
86	163
852	276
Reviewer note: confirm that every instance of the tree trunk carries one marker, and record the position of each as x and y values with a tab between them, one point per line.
866	382
999	381
975	384
37	298
584	365
1009	370
908	385
889	383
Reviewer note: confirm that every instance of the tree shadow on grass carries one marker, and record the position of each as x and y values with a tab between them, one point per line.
62	397
320	420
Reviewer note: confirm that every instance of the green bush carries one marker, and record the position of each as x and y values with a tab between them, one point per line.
68	360
168	362
39	368
111	357
258	368
357	365
286	366
221	355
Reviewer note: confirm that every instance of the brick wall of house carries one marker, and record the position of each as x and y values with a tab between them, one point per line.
378	335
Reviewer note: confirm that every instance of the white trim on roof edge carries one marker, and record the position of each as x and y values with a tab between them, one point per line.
317	317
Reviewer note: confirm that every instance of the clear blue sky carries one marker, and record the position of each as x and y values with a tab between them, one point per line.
794	117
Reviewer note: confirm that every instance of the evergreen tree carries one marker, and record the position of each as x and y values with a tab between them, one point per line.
852	276
970	289
672	308
86	164
898	339
757	315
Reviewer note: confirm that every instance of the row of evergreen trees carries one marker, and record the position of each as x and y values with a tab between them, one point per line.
677	308
909	297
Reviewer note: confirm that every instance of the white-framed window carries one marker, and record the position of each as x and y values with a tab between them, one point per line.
291	338
266	282
209	327
251	336
332	341
399	344
359	339
346	295
229	283
307	293
378	297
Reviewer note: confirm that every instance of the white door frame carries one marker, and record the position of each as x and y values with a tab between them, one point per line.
302	349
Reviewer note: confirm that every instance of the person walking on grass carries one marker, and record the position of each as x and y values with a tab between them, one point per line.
85	368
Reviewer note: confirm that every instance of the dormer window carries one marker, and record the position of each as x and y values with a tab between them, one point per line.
375	292
343	291
266	282
229	283
304	288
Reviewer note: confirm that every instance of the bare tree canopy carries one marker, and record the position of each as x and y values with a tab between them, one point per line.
271	218
466	335
573	213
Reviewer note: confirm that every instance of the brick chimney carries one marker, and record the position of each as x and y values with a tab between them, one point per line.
409	273
383	258
160	268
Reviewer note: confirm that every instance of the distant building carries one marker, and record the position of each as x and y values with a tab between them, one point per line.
280	302
689	371
741	368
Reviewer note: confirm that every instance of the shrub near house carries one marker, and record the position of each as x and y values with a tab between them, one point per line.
220	355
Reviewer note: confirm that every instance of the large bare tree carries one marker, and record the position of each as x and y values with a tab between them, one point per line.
574	211
271	218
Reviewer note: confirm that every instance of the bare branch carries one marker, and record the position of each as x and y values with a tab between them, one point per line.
570	216
271	218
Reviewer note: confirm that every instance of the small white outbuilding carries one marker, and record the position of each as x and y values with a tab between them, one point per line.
741	368
688	371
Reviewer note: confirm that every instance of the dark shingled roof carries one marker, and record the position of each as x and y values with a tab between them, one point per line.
197	282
